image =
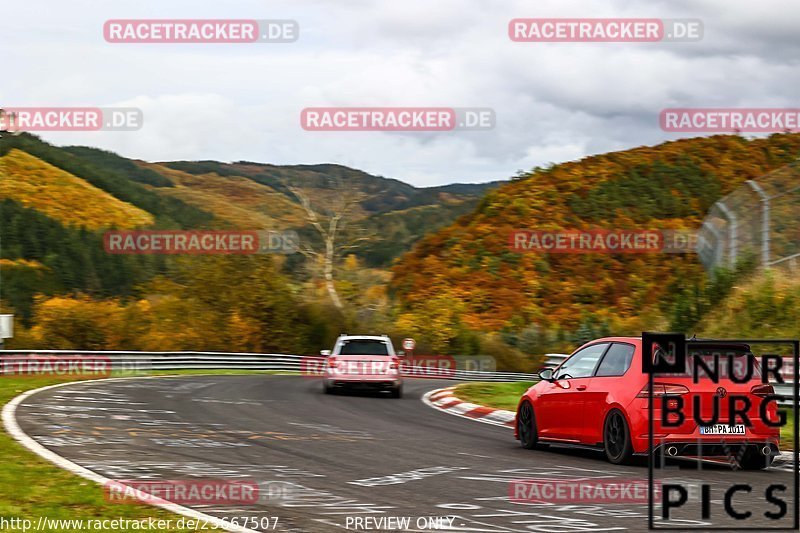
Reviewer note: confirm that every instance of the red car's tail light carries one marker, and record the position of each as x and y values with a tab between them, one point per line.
662	389
331	363
762	390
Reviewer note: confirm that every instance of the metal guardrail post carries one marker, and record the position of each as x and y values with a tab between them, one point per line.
732	229
764	222
715	248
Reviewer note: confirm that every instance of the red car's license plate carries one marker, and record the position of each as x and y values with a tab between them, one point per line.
722	429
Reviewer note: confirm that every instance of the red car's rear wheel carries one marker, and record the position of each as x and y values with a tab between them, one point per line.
617	438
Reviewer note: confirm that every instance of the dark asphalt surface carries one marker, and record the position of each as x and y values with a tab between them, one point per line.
329	462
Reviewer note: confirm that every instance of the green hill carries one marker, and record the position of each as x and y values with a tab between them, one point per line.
118	180
381	194
57	201
67	198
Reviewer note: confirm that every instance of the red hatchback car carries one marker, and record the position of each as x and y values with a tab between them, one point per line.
598	397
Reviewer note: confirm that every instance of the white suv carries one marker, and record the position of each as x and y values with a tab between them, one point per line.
365	362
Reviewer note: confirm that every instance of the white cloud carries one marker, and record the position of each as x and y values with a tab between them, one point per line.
554	102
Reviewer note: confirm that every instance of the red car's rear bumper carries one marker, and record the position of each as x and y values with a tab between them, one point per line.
688	440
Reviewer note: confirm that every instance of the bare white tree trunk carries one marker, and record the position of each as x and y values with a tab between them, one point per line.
329	255
328	236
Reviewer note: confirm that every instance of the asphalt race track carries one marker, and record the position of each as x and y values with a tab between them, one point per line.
324	461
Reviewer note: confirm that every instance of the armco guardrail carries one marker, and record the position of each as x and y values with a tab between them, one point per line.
142	361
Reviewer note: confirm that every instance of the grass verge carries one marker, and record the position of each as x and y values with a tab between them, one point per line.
504	395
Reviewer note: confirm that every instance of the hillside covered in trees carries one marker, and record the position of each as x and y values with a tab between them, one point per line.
468	273
56	203
432	263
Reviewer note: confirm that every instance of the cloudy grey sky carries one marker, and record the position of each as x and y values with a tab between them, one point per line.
554	101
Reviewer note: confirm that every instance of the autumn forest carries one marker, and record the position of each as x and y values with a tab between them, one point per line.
376	255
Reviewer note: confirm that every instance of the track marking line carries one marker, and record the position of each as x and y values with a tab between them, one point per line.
13	429
475	455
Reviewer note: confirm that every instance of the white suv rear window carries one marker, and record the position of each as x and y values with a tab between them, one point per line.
363	347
